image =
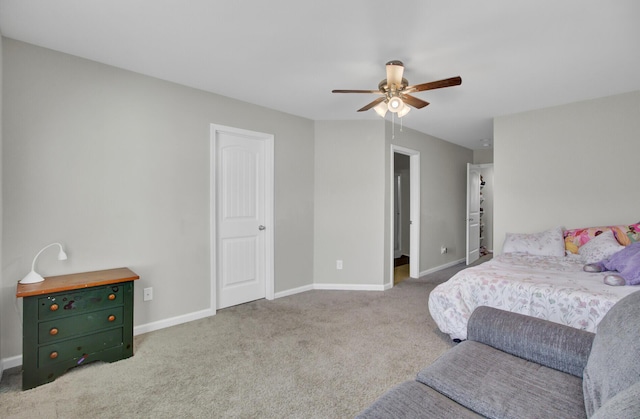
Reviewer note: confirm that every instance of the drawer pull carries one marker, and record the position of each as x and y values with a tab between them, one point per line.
53	307
53	355
53	331
112	297
111	318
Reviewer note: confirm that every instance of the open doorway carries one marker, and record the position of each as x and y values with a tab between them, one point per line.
401	217
479	211
405	210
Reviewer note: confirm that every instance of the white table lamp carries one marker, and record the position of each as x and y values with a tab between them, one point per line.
33	277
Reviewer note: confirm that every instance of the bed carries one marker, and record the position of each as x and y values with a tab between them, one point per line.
549	285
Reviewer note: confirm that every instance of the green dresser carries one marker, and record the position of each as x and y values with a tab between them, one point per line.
70	320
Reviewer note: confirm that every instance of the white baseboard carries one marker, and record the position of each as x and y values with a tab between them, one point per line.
333	287
293	291
358	287
161	324
441	267
14	361
173	321
349	287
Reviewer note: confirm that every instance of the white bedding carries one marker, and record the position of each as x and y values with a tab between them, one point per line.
547	287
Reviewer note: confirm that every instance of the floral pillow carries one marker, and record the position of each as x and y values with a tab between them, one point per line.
625	234
574	239
599	248
546	243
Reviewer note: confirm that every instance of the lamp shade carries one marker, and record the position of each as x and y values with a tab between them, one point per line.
33	277
395	70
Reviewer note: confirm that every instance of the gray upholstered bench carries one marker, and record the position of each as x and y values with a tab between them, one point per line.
516	366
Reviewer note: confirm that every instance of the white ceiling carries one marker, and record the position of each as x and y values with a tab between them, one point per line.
288	55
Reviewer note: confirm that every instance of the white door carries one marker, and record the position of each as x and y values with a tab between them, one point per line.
242	242
473	213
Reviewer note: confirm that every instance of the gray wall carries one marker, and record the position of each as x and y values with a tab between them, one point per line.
1	277
443	185
353	197
572	165
115	165
483	156
349	202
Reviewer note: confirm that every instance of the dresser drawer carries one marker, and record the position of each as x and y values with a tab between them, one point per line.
71	303
66	327
79	348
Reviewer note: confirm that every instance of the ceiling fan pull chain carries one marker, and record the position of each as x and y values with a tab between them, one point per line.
393	126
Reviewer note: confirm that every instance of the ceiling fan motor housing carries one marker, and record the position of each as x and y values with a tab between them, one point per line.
384	87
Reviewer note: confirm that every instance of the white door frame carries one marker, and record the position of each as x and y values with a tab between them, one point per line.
414	211
269	208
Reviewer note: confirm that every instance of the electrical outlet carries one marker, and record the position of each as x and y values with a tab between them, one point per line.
148	294
338	264
443	250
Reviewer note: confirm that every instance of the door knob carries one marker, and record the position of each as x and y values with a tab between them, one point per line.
261	227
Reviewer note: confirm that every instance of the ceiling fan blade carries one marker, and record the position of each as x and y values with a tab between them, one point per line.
453	81
371	105
414	101
356	91
395	70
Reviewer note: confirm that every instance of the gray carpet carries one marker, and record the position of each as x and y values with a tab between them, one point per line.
318	354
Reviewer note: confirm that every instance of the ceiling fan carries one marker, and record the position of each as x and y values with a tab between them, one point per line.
395	89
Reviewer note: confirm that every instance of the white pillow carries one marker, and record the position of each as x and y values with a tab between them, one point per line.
600	247
546	243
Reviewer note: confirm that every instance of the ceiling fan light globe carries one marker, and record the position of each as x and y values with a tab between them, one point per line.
395	104
405	110
381	109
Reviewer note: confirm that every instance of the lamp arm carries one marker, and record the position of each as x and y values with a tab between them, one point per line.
33	265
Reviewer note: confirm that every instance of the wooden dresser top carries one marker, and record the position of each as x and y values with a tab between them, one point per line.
80	280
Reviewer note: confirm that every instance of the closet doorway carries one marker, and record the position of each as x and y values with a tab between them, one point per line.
479	211
405	210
